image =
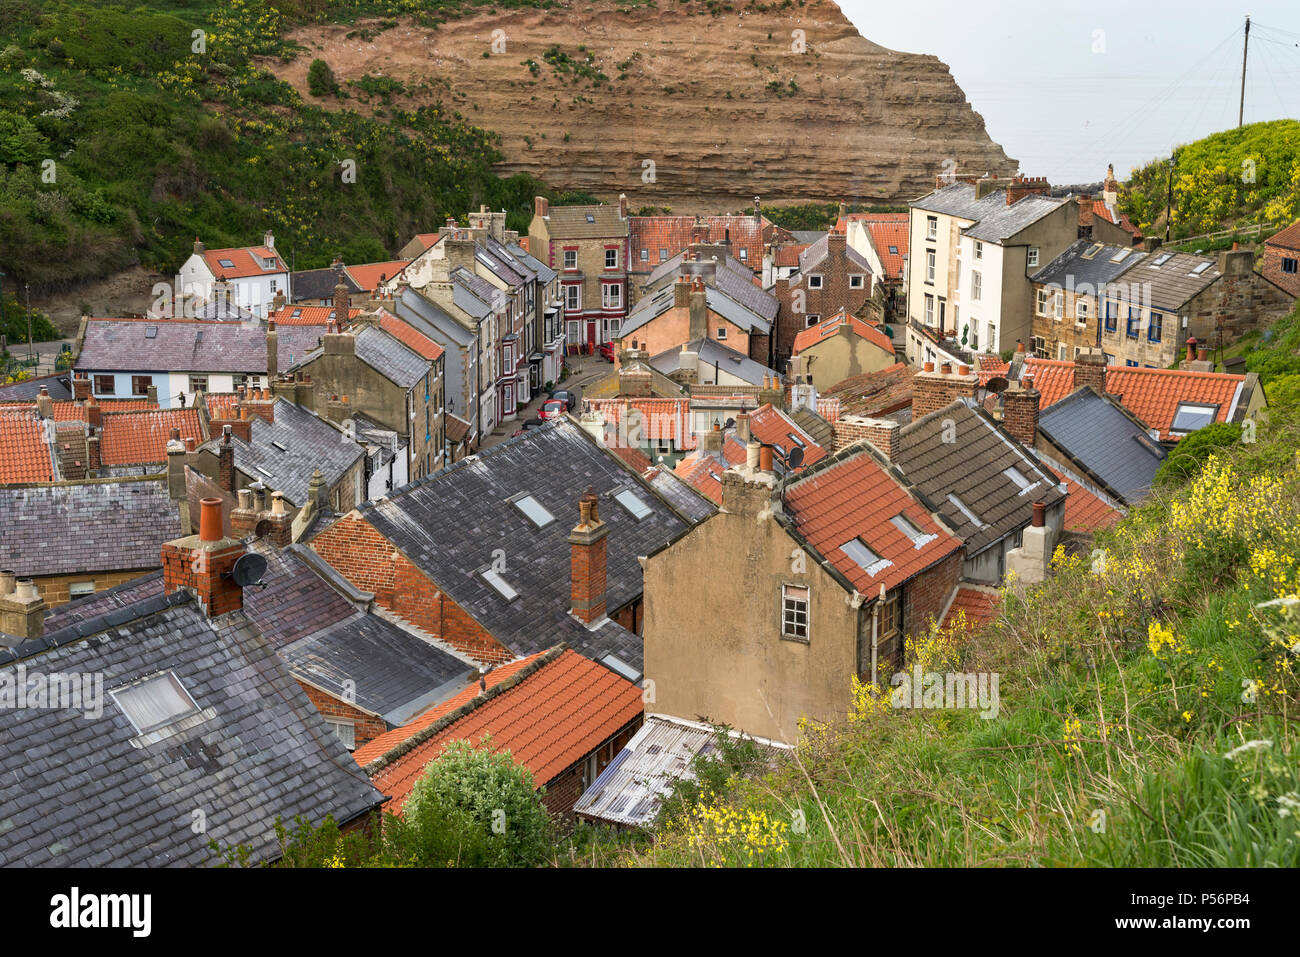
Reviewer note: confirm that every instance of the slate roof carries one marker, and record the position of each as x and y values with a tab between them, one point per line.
390	358
711	352
972	468
854	496
543	272
186	345
816	254
651	307
88	790
1106	441
450	523
691	503
557	709
731	276
59	385
319	284
570	222
1172	283
309	442
1153	395
1096	270
88	527
999	225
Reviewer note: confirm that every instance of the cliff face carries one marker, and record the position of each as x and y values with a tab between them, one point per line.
725	107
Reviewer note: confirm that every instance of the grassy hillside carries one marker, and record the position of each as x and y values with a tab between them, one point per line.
1148	707
125	133
1234	178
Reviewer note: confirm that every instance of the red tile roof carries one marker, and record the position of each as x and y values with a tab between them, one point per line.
221	405
1085	512
559	709
829	327
662	420
771	426
243	262
24	451
1288	238
367	275
874	393
75	411
1150	394
409	336
990	367
1097	207
308	315
131	438
673	233
976	604
788	256
856	498
702	472
886	235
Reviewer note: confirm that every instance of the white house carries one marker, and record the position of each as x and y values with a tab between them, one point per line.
252	274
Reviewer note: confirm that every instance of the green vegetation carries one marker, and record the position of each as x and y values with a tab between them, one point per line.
576	69
816	215
1233	178
13	324
124	133
321	80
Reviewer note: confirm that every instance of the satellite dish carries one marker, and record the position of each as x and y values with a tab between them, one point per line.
795	458
997	385
248	570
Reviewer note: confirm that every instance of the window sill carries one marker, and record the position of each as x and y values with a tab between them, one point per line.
795	639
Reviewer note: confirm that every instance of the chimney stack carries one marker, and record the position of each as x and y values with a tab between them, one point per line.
94	414
226	462
1020	413
682	292
273	350
93	456
151	394
933	390
44	404
712	439
541	206
1090	369
22	609
699	325
202	563
587	548
199	248
622	205
80	389
176	488
742	427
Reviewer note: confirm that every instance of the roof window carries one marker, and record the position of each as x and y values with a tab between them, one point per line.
500	584
153	702
919	539
534	510
870	562
635	505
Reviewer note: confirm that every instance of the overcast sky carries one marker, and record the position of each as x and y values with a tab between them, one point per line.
1163	73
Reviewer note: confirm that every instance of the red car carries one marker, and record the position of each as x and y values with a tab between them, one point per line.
607	351
552	409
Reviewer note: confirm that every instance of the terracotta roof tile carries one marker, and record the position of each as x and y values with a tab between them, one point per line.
1152	395
24	451
990	367
132	438
409	336
221	405
661	419
308	315
553	717
771	426
855	498
368	275
828	327
978	606
673	233
1097	207
1084	511
242	262
1288	238
702	472
874	393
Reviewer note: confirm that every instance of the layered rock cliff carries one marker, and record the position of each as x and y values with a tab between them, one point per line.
678	106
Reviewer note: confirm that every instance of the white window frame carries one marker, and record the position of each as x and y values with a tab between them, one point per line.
573	293
565	258
608	254
976	285
792	596
611	295
1032	256
929	265
932	227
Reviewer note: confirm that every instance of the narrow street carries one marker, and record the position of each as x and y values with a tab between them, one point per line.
582	369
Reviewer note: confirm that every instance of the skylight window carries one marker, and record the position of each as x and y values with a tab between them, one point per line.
150	332
893	250
1018	477
280	446
1200	268
262	470
500	584
228	263
535	511
919	538
154	702
1161	260
1092	251
591	218
871	563
1120	255
635	505
1191	416
961	507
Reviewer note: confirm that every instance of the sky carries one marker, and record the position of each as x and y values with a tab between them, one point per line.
1067	87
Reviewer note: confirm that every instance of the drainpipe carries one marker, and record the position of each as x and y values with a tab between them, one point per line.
875	630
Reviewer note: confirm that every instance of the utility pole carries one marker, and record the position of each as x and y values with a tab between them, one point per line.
1169	196
1245	46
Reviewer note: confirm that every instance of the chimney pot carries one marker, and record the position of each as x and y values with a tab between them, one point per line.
210	520
928	367
7	582
1040	514
963	370
765	458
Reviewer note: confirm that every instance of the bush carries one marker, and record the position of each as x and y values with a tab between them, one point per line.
481	804
1191	453
321	80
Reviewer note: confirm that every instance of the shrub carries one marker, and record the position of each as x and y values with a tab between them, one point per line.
321	80
1191	453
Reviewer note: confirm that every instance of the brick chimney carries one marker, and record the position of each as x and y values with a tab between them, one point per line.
94	414
94	459
1020	413
226	462
881	433
243	517
682	292
151	394
1023	186
622	205
835	243
202	563
261	403
541	206
1090	369
199	248
22	609
587	544
273	349
933	390
80	389
699	327
711	441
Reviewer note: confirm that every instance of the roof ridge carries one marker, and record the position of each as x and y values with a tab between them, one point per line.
540	661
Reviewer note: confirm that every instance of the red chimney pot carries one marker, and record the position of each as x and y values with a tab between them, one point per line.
210	520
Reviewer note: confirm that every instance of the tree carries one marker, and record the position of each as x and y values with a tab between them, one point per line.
321	80
483	804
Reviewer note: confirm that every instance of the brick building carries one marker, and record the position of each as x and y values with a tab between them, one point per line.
832	277
1280	263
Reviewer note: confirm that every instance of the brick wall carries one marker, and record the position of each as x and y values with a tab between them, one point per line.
1271	268
835	294
1020	415
372	563
205	573
926	595
55	588
368	726
932	391
881	433
563	790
